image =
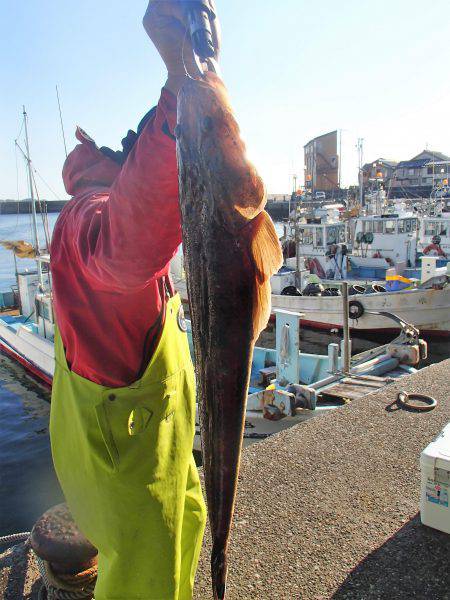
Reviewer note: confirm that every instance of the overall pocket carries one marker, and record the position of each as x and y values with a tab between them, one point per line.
136	424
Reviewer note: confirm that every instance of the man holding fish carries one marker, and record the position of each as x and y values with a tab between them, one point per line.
123	400
123	403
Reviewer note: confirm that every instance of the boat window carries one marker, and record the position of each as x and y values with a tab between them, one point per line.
414	225
368	226
406	225
430	227
305	235
378	226
319	236
389	226
342	234
435	228
332	235
43	310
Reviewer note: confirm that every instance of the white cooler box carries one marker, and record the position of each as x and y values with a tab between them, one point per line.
435	470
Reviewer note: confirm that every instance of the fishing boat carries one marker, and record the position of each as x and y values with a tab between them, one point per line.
434	237
381	242
321	239
362	245
395	259
424	302
27	336
428	308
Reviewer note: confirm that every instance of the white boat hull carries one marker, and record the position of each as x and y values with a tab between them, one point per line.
34	352
429	310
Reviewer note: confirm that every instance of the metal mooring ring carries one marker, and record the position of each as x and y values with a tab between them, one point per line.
404	399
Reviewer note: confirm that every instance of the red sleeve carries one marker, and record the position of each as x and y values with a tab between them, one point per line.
128	238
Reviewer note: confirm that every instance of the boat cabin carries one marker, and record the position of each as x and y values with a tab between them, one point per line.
434	237
385	240
35	299
314	238
323	246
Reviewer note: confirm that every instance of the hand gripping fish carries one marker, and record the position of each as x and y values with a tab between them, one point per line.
231	250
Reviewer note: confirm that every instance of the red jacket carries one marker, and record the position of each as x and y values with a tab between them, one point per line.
111	246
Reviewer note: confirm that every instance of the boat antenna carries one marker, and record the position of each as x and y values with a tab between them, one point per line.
61	120
32	200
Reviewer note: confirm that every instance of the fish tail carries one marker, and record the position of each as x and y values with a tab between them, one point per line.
219	569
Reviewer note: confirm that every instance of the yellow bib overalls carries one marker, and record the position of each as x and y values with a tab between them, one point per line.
124	459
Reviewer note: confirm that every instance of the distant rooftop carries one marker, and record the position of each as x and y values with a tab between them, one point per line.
413	164
418	161
383	161
321	136
431	155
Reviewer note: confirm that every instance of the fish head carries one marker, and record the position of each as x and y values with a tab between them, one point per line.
208	132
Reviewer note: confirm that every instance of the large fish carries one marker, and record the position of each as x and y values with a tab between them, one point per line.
231	250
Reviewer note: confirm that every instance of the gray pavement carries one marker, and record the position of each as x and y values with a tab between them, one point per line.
329	509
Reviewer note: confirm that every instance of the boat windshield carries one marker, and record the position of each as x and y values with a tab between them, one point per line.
379	226
319	236
407	225
335	234
305	235
436	227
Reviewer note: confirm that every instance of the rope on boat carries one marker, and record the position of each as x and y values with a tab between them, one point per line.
10	540
79	586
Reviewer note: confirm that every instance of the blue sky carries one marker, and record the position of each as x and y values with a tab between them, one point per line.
295	69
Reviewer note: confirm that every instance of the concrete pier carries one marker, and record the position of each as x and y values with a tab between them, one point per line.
327	509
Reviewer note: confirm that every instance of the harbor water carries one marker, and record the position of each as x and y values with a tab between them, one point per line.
28	485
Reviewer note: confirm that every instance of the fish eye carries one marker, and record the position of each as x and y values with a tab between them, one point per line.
207	124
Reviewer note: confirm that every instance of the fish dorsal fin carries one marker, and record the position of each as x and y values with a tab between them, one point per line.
267	258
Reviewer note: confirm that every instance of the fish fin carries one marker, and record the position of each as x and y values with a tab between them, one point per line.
267	258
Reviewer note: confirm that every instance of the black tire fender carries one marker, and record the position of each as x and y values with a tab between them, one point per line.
355	309
355	290
291	290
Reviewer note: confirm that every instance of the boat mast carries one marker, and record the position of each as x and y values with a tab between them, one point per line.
33	202
360	171
61	121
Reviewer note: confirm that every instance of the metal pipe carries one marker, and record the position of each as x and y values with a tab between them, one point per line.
298	275
345	320
333	358
30	181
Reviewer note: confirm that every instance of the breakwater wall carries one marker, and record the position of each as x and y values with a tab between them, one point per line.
278	210
23	207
